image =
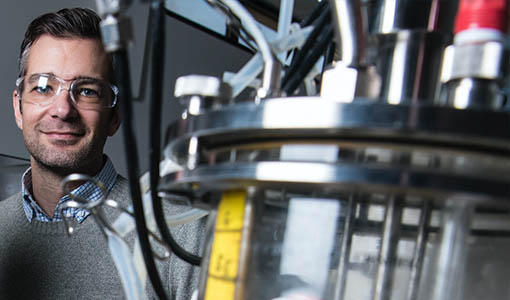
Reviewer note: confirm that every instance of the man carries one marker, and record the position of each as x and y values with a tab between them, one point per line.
66	107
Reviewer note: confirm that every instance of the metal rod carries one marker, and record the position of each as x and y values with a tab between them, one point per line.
452	254
246	245
419	251
388	253
345	250
350	33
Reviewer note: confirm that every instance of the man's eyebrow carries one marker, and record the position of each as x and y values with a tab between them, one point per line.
88	78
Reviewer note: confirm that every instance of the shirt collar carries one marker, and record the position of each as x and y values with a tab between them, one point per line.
89	191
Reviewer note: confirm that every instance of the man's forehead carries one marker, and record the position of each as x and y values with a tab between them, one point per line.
67	57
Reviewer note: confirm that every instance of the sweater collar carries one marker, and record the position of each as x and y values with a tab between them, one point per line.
89	191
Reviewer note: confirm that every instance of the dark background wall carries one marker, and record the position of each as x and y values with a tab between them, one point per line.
188	51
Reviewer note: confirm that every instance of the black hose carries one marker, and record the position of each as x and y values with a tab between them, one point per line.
308	62
316	11
299	57
123	81
311	18
158	55
329	56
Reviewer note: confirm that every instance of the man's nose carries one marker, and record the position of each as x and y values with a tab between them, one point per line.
62	106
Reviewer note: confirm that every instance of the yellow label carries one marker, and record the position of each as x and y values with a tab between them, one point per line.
224	262
225	254
231	211
218	289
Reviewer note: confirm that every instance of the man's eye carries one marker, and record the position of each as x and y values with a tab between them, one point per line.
88	92
43	90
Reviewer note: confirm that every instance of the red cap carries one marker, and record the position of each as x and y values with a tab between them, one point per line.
491	14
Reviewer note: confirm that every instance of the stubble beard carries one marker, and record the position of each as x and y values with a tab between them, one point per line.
82	160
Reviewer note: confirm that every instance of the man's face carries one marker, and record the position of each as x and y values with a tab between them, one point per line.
62	136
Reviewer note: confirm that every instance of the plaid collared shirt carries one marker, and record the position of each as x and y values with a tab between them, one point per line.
89	191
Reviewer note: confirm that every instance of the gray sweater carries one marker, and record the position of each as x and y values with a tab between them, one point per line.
39	261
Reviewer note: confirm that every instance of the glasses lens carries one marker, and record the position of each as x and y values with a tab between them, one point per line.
87	93
40	88
92	93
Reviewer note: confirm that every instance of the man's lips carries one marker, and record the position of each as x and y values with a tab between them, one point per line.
63	135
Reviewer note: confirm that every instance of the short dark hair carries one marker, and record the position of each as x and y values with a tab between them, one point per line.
65	23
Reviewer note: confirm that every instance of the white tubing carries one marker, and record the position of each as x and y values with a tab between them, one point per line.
253	67
252	28
131	282
134	274
186	217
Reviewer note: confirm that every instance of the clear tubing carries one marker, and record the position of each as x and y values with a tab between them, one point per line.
133	287
139	263
124	223
186	217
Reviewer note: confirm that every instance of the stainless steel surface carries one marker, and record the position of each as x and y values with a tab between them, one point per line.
270	86
426	176
291	117
362	82
472	93
409	64
377	148
338	178
201	93
459	63
351	31
446	156
472	76
397	15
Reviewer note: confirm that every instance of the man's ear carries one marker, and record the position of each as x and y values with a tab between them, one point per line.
16	105
115	120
